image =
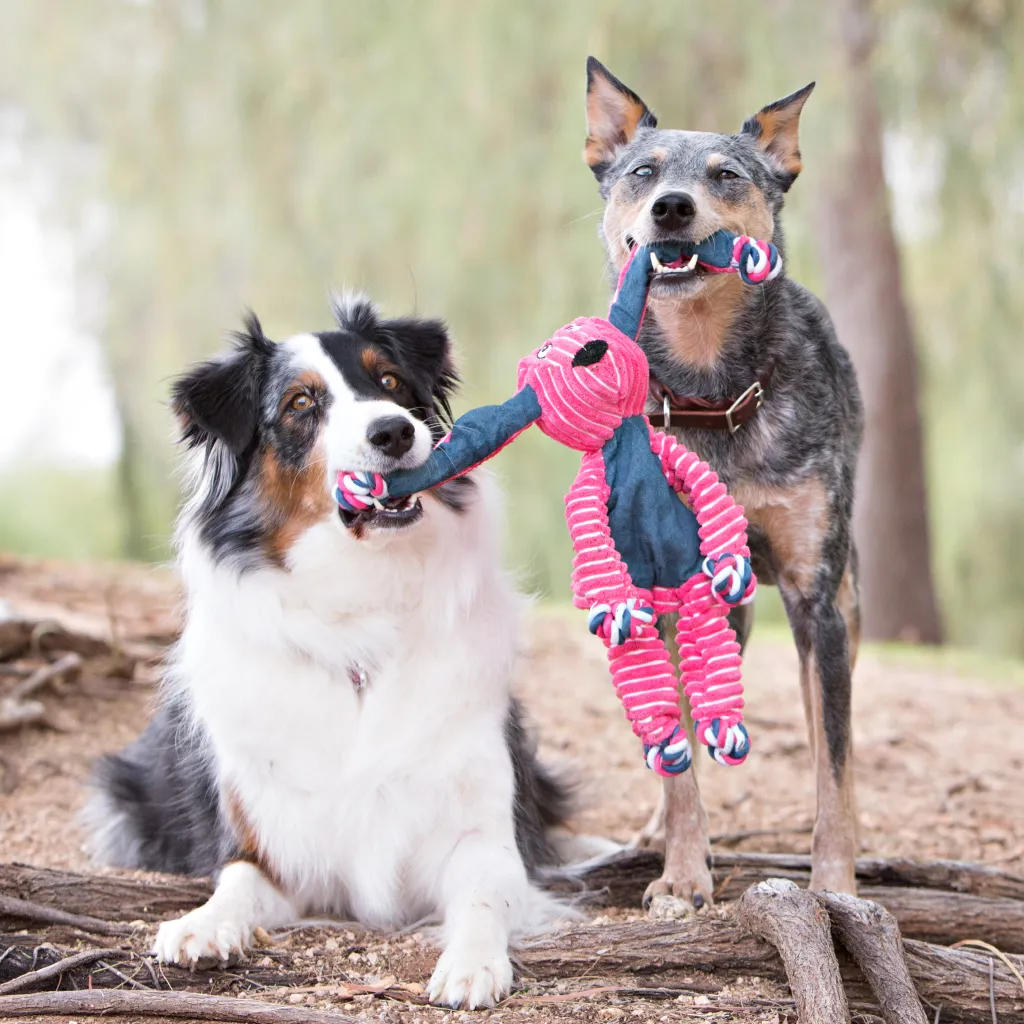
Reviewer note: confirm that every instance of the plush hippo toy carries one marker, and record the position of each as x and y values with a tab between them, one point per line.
640	551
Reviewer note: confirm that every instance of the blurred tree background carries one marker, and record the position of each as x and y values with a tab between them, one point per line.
205	155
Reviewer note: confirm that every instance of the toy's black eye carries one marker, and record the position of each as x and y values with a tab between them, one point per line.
592	352
724	174
643	171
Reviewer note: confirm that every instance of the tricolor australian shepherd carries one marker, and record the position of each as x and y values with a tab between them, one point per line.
336	734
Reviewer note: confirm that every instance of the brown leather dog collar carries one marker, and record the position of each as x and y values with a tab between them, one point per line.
704	414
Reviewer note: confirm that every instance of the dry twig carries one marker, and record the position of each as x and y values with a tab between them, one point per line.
190	1005
62	666
23	910
69	963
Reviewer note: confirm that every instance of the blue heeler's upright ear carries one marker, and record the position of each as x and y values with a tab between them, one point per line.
614	112
775	129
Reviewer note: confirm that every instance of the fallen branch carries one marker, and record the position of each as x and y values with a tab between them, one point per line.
796	924
23	636
730	838
628	872
20	954
109	897
69	963
190	1005
15	714
946	875
670	951
23	910
661	992
871	936
935	901
62	666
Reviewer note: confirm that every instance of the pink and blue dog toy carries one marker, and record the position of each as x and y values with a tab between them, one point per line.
640	551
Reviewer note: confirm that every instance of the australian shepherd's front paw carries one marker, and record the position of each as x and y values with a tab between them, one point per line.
467	978
200	935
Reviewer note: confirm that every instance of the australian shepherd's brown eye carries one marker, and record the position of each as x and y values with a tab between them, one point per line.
302	402
389	382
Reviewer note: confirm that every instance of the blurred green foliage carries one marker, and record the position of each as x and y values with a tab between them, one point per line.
212	155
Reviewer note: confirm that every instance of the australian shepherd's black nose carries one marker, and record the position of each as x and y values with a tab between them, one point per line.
336	733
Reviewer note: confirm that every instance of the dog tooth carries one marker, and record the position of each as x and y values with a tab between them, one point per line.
656	263
692	263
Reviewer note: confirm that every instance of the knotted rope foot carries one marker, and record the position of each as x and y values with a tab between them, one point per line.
727	744
672	756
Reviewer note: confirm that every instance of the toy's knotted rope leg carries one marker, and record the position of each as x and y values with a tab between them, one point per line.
640	666
646	684
711	661
712	672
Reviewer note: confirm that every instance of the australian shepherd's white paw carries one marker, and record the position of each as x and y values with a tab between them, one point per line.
201	935
468	977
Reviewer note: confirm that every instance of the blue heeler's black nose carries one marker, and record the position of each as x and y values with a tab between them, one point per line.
673	211
393	435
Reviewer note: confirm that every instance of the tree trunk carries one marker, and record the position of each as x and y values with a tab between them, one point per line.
861	266
129	486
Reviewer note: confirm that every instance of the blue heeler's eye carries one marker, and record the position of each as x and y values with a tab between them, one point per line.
644	170
724	174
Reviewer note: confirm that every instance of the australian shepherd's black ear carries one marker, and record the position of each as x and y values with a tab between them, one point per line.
421	347
427	352
219	399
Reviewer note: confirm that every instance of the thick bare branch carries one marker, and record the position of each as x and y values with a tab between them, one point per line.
111	897
795	923
872	937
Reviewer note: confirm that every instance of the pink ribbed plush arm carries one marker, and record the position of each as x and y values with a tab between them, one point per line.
598	573
723	528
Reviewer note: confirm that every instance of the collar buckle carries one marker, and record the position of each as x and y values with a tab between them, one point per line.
755	389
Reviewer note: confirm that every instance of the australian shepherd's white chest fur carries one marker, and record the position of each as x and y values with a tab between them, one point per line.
337	734
356	710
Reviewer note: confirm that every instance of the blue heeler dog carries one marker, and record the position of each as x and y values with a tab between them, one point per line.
755	381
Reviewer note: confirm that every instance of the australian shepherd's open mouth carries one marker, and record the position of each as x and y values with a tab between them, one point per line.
381	517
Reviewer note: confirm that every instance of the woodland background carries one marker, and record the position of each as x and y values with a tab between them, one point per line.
197	156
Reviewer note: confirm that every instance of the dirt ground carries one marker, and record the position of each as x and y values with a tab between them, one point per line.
939	769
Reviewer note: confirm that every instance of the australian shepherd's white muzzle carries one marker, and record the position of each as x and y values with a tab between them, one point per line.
336	734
